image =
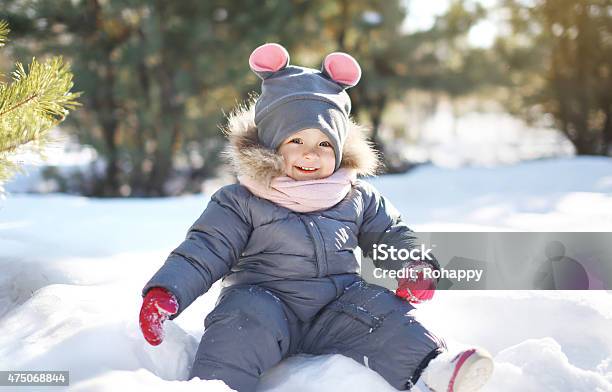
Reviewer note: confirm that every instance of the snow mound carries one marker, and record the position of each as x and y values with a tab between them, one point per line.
143	380
306	373
541	365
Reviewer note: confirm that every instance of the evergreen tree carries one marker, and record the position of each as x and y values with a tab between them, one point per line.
157	78
560	62
31	103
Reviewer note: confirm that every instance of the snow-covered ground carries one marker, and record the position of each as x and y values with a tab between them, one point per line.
71	271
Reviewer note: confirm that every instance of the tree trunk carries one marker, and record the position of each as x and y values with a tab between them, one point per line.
345	20
606	148
140	156
168	117
376	111
107	105
377	108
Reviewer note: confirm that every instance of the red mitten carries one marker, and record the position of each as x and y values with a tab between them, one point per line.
157	306
416	288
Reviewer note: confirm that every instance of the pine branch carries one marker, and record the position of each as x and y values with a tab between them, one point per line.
31	104
17	105
4	30
34	102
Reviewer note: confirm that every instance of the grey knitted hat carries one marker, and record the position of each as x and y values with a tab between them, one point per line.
295	98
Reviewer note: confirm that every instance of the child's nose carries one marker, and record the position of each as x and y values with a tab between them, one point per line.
310	153
311	157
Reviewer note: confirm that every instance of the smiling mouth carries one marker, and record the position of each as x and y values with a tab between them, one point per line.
305	169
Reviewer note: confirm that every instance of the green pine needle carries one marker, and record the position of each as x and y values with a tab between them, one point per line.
32	103
4	30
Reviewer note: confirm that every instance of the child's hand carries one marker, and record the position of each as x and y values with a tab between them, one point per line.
418	288
157	306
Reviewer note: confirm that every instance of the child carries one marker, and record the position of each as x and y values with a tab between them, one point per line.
284	238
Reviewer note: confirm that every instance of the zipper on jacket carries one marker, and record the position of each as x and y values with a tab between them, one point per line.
323	252
316	235
318	242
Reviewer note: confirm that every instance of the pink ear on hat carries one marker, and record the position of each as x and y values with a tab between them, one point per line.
269	58
342	68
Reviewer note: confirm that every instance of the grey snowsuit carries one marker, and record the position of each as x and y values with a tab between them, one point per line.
290	280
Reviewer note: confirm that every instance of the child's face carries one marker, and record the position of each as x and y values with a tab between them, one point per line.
308	154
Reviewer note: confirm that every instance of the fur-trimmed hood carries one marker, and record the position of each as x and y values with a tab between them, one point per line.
248	157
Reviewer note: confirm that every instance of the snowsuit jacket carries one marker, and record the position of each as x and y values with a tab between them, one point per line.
307	259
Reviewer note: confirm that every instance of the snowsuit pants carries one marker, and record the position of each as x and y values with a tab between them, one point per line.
251	330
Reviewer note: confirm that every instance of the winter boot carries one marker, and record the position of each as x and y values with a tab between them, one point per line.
467	371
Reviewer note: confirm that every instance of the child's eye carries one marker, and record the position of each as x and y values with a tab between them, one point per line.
325	144
296	140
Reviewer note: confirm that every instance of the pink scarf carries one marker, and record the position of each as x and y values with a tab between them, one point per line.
306	195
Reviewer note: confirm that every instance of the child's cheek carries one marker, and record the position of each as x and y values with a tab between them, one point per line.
330	159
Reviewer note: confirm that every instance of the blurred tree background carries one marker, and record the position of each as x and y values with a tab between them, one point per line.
35	99
158	77
560	57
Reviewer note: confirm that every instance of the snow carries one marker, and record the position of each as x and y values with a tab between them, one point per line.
62	154
488	137
73	267
563	194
